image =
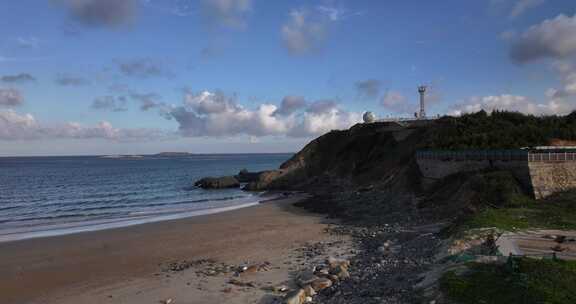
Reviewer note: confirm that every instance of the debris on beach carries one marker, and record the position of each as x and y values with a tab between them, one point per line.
241	283
322	277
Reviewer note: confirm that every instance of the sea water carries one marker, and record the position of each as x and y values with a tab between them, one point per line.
47	196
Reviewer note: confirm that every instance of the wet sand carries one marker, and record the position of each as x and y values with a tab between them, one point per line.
124	265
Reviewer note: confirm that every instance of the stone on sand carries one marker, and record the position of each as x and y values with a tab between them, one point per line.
321	283
296	297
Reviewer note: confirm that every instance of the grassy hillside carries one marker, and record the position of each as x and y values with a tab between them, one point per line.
501	130
522	281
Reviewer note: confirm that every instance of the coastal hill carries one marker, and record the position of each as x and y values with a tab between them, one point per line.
374	153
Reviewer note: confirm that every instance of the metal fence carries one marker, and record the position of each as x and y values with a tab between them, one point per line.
500	155
550	255
551	156
463	155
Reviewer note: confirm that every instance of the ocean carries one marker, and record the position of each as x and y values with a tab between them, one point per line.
47	196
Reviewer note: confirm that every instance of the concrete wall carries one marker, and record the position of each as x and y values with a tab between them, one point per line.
551	177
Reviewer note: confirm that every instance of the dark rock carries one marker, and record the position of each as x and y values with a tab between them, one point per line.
244	176
265	180
217	182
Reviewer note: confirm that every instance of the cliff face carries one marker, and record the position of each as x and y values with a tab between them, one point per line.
365	154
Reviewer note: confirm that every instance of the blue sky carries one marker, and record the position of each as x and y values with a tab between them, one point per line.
209	76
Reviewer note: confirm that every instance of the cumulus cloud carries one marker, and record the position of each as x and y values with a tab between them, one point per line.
553	38
369	88
208	102
227	13
290	104
71	80
304	31
15	126
18	78
522	6
10	97
110	103
513	103
143	68
322	106
216	114
101	13
567	75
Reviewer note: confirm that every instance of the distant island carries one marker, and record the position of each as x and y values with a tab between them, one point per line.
173	154
121	156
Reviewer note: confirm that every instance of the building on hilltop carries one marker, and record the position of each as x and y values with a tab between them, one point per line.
370	117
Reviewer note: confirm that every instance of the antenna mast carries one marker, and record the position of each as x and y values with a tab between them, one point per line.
422	91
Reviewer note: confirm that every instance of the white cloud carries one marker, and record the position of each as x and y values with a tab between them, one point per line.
369	88
71	80
314	124
109	13
148	101
396	102
513	103
508	35
110	103
307	28
28	42
215	114
18	78
304	32
227	13
143	68
14	126
210	102
522	6
567	73
291	104
553	38
10	97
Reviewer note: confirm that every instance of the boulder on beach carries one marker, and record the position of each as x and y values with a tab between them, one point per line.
217	182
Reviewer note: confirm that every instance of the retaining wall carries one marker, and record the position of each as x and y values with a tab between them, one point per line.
542	173
551	177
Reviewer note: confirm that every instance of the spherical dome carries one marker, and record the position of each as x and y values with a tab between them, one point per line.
369	117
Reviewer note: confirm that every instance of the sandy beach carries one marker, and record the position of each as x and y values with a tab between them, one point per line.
129	265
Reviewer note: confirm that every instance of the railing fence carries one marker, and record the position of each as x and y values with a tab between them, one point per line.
500	155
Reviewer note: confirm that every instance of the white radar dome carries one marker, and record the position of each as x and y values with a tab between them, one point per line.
369	117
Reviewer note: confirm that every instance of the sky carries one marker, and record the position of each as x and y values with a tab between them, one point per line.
92	77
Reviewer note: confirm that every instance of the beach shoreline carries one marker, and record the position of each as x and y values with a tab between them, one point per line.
125	265
62	229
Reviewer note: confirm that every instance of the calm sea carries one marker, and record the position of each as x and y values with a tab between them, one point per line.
45	196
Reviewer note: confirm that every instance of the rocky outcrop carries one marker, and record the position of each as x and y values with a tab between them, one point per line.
245	176
358	156
218	182
264	180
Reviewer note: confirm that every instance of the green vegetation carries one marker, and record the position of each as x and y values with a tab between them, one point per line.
500	202
502	130
522	281
558	212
